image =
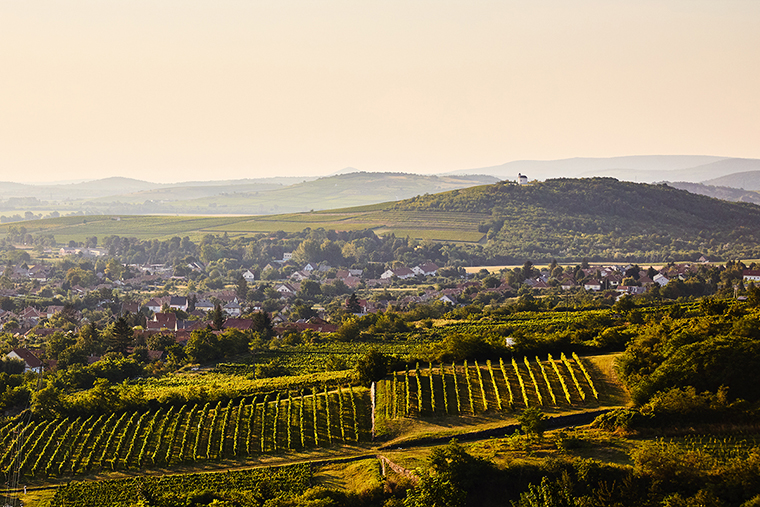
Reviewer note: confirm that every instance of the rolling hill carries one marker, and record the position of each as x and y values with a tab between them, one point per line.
250	196
596	218
718	171
747	180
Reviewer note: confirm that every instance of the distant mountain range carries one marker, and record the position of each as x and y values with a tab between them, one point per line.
253	196
734	179
641	169
502	223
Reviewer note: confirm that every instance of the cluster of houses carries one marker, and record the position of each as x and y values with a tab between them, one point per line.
351	278
610	278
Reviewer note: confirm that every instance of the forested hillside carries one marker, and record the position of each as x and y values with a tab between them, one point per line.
602	218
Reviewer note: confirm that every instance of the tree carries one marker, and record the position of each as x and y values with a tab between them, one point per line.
202	346
371	367
527	270
242	289
456	478
121	336
532	421
309	289
352	304
217	317
261	323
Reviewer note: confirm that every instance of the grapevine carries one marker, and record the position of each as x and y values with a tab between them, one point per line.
186	434
456	388
432	388
469	387
395	395
135	435
43	453
290	419
276	421
300	422
64	438
27	450
94	446
341	409
146	440
104	452
417	375
161	432
353	409
546	380
199	431
236	436
263	423
561	380
533	379
569	367
327	410
445	395
520	380
506	381
408	395
493	382
223	432
482	387
249	433
212	428
172	436
314	413
586	374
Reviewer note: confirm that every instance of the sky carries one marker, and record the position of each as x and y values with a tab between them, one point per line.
176	90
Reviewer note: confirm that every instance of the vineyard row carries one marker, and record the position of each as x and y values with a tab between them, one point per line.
169	436
451	389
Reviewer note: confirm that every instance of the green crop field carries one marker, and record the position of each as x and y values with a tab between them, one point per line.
441	226
493	386
189	433
260	483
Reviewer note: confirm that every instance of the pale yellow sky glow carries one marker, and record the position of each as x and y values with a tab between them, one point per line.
192	90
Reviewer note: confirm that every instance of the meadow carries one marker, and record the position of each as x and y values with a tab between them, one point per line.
433	226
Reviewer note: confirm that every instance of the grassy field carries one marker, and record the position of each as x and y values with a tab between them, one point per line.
438	226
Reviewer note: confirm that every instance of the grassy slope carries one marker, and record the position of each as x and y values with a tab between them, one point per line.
559	218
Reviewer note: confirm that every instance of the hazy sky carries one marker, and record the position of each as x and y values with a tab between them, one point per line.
171	90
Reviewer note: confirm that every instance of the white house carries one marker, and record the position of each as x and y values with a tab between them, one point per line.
204	305
660	280
178	303
31	362
593	285
248	276
232	309
300	276
400	273
154	305
427	269
751	275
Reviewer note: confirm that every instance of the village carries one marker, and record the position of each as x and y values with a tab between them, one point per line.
314	297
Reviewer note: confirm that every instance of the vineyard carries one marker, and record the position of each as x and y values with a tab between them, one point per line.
259	483
307	359
473	388
169	436
237	385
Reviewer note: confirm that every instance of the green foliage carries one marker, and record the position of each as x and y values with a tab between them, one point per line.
453	478
371	367
261	484
532	421
704	352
